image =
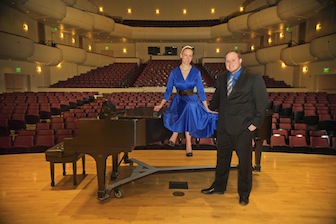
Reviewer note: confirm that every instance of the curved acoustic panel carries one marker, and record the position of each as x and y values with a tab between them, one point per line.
264	19
47	55
250	59
239	24
15	47
221	30
270	54
324	48
97	60
297	55
55	9
102	23
70	2
86	5
72	54
78	19
122	31
295	11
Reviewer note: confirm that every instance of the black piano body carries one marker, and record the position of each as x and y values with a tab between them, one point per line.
102	138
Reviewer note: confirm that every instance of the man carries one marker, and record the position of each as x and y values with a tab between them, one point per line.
241	100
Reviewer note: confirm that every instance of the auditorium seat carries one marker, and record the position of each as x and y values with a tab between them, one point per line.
27	132
17	122
206	143
5	144
44	125
22	144
278	142
298	143
42	143
318	142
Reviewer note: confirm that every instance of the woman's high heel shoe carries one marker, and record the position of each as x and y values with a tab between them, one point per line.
171	143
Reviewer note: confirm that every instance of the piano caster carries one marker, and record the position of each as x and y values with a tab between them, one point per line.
118	192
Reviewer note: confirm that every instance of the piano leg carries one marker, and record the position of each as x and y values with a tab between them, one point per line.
257	154
101	172
115	166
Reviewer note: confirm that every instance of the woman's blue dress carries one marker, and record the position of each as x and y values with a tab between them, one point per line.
187	113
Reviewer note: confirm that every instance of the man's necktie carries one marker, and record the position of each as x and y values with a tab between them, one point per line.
229	85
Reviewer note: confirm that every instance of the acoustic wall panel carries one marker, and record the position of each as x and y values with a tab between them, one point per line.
102	23
78	19
297	55
47	55
72	54
298	10
15	47
55	9
324	48
239	24
97	60
264	19
86	5
250	59
270	54
221	30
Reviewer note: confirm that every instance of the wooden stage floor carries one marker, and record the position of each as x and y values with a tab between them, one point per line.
291	188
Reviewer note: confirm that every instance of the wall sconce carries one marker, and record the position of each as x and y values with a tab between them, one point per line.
25	27
281	35
252	47
89	48
129	11
283	65
318	27
241	9
269	40
157	11
184	11
305	69
217	50
59	65
124	50
101	9
73	40
212	11
38	69
61	35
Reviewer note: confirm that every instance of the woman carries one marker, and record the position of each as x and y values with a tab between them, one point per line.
186	113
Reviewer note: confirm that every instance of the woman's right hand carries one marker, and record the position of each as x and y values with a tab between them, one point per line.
157	108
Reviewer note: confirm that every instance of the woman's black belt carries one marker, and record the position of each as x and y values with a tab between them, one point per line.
187	92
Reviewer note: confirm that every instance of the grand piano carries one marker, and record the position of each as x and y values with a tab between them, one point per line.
102	138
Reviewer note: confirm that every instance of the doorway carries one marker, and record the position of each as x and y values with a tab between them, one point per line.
17	83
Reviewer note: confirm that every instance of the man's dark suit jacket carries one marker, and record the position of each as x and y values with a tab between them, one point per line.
246	104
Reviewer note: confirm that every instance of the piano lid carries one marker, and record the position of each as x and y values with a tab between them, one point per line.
95	134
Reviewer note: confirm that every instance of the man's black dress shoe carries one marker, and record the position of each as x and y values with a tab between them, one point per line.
243	201
211	190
